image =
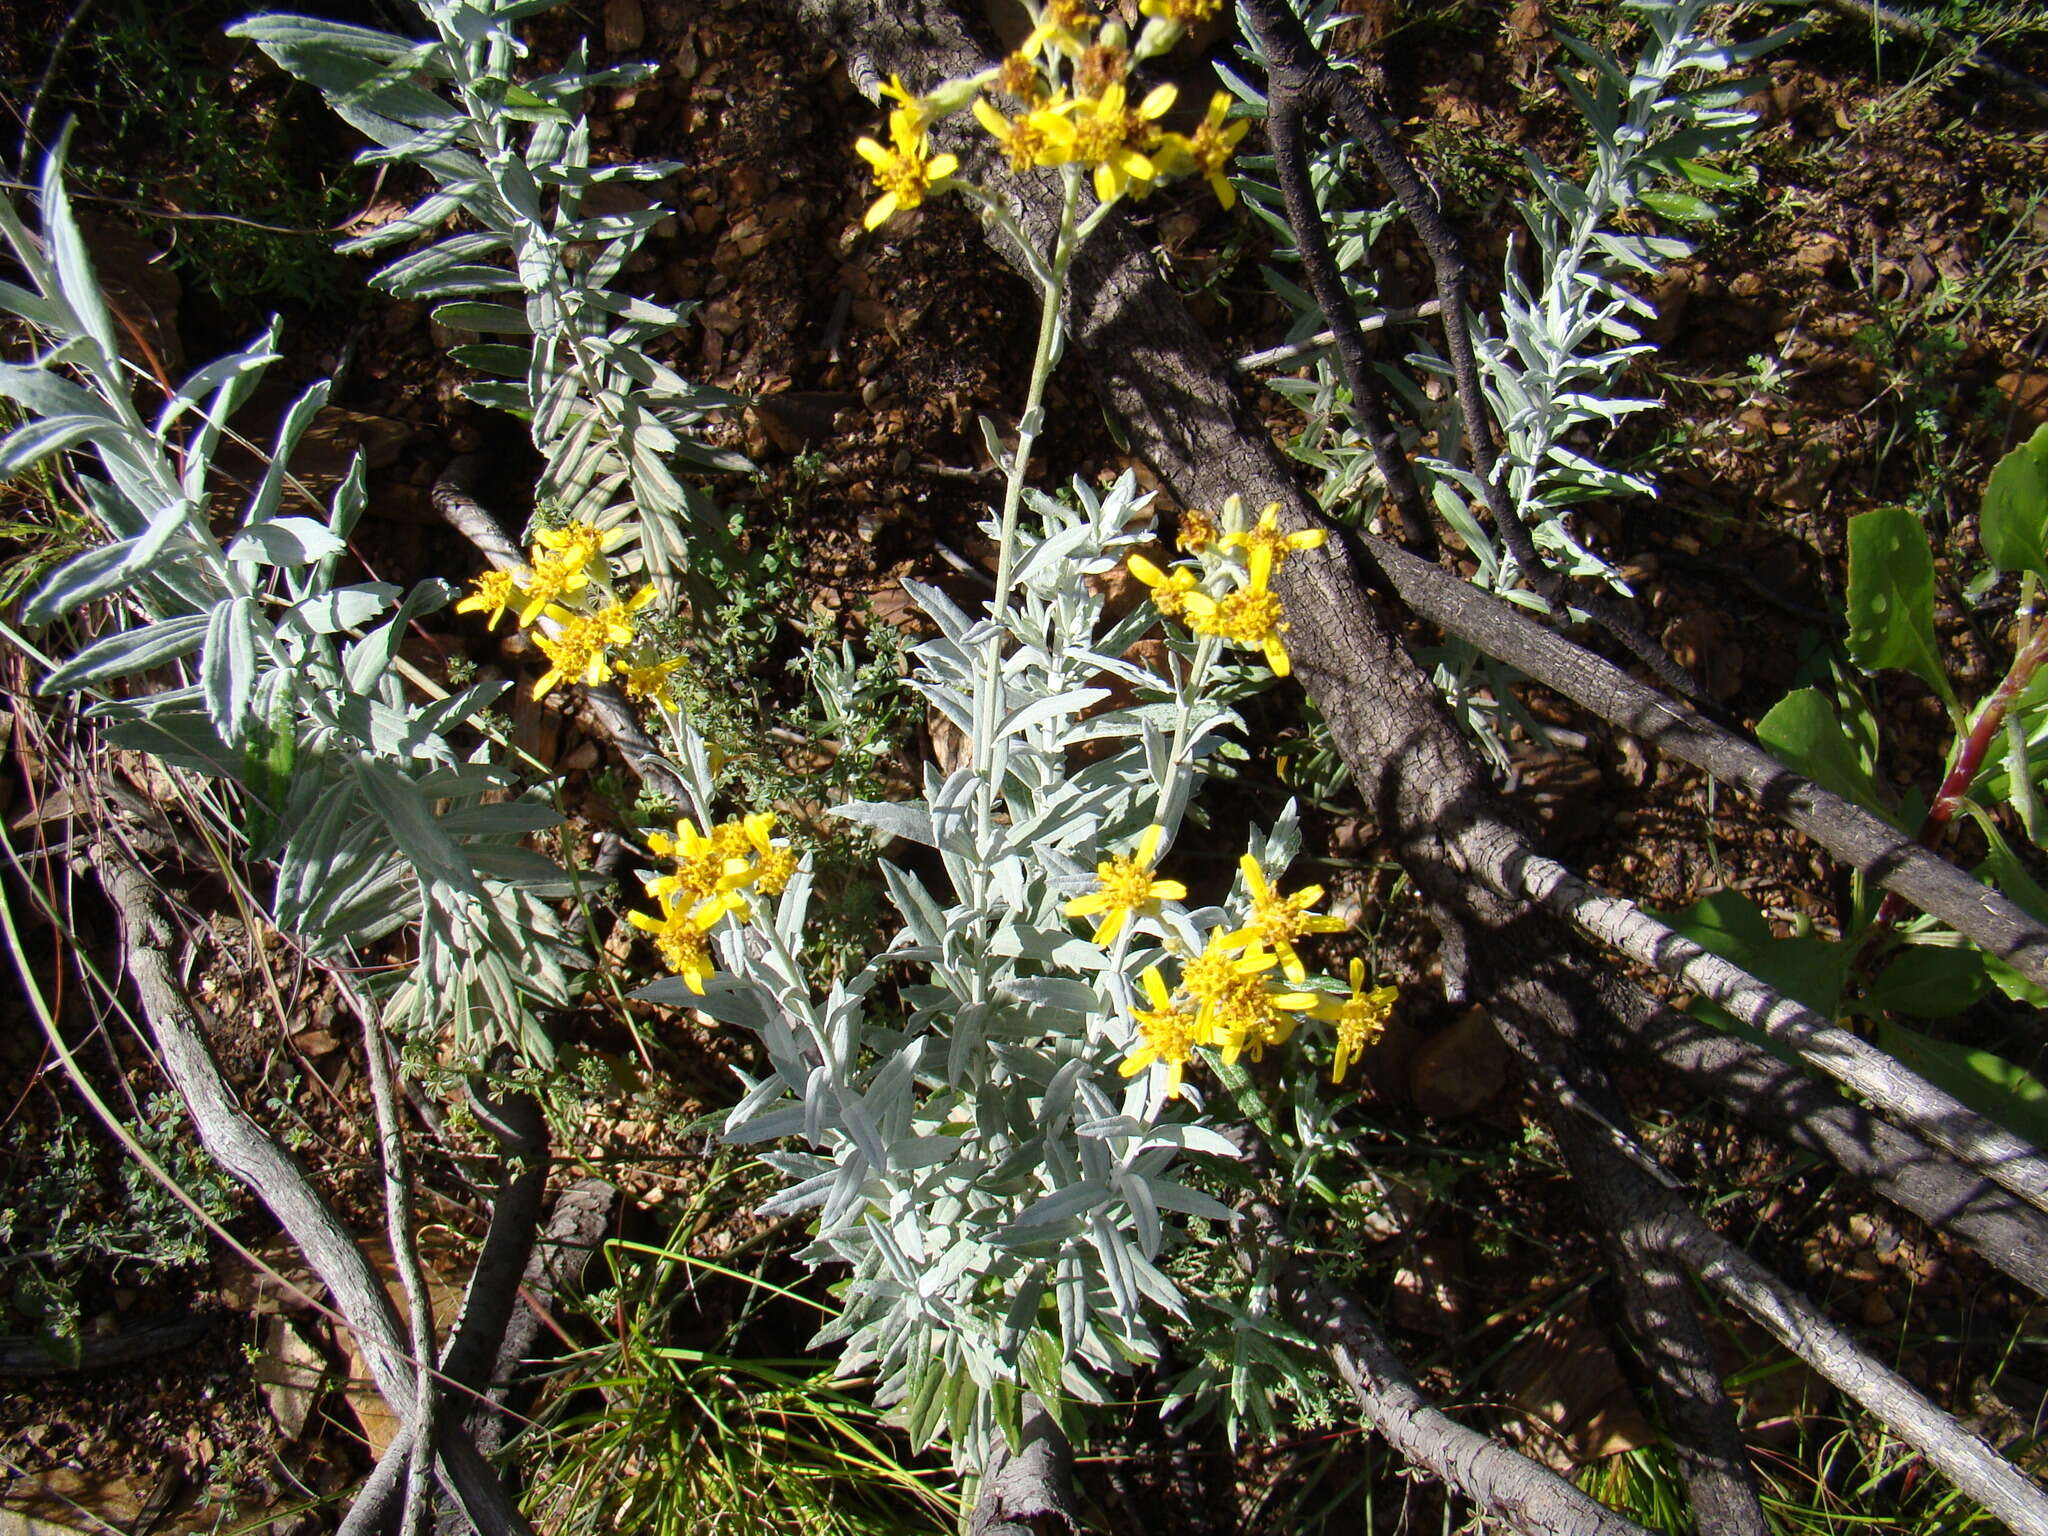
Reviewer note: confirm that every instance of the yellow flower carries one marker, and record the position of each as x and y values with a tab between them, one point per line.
1197	531
1207	151
1169	589
647	682
1068	25
579	543
1267	547
1168	1034
1185	12
915	112
1277	921
682	943
1019	77
1110	135
1101	65
551	579
710	870
907	173
1249	617
1031	140
580	650
1125	887
1236	1009
494	592
1360	1018
774	862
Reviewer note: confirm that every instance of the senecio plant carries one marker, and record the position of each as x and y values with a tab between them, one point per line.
997	1164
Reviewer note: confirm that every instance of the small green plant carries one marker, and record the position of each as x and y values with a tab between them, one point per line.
74	1213
696	1435
222	153
1883	968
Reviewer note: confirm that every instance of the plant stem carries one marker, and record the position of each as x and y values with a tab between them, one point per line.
1042	361
1971	751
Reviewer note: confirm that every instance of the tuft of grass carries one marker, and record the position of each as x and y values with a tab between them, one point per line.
672	1426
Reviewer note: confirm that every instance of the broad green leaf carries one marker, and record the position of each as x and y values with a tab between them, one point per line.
1803	966
1681	206
1805	732
2013	526
1891	597
1929	982
2000	1090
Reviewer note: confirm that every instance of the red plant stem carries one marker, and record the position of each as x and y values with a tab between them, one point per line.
1970	756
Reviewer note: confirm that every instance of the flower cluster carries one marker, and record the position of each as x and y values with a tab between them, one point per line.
1223	589
1068	95
1244	991
713	875
565	595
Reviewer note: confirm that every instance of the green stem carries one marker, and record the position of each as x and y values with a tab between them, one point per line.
1190	689
989	686
1236	1081
1042	361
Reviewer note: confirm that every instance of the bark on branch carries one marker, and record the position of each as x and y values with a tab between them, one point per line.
1502	1483
252	1156
1897	1165
1900	1092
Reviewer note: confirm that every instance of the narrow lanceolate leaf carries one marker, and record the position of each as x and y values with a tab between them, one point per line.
227	667
79	580
1891	596
132	650
285	541
893	818
270	489
27	446
437	857
75	280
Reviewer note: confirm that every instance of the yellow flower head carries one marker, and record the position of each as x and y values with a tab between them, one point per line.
551	579
1360	1018
774	862
1235	1007
1250	617
1019	77
1112	136
1277	921
1266	547
908	173
1185	12
493	593
682	943
1101	66
1035	139
1066	25
647	682
578	544
1169	589
1197	531
914	111
1168	1034
1207	151
1125	888
580	649
710	872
